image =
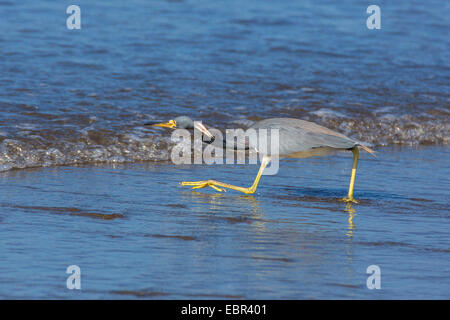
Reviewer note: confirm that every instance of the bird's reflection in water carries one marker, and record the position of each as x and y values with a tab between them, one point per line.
215	200
351	214
247	207
222	202
233	209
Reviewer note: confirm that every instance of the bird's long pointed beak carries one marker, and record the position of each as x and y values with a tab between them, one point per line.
169	124
202	128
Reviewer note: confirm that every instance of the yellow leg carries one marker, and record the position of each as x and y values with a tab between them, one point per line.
349	197
216	184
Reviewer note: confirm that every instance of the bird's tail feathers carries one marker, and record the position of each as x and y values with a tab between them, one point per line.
372	152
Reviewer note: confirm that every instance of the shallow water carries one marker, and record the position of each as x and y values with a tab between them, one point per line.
136	233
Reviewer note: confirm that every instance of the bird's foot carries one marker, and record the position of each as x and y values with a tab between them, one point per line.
349	200
202	184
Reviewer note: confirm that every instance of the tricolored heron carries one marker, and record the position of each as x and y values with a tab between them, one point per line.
297	139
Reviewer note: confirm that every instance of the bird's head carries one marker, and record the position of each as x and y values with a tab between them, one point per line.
182	122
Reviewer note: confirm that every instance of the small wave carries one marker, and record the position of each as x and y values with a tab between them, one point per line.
27	145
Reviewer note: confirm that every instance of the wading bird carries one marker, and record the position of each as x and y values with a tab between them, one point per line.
297	139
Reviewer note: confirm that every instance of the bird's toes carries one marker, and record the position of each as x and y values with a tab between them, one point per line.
192	183
349	200
216	188
200	186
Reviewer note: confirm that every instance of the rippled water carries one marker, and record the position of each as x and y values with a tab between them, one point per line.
81	96
136	233
95	188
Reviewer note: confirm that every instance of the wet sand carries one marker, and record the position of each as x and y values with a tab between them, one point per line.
136	233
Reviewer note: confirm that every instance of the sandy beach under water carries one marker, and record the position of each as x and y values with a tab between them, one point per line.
136	233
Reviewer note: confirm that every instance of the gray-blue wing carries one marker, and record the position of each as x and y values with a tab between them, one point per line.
297	135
